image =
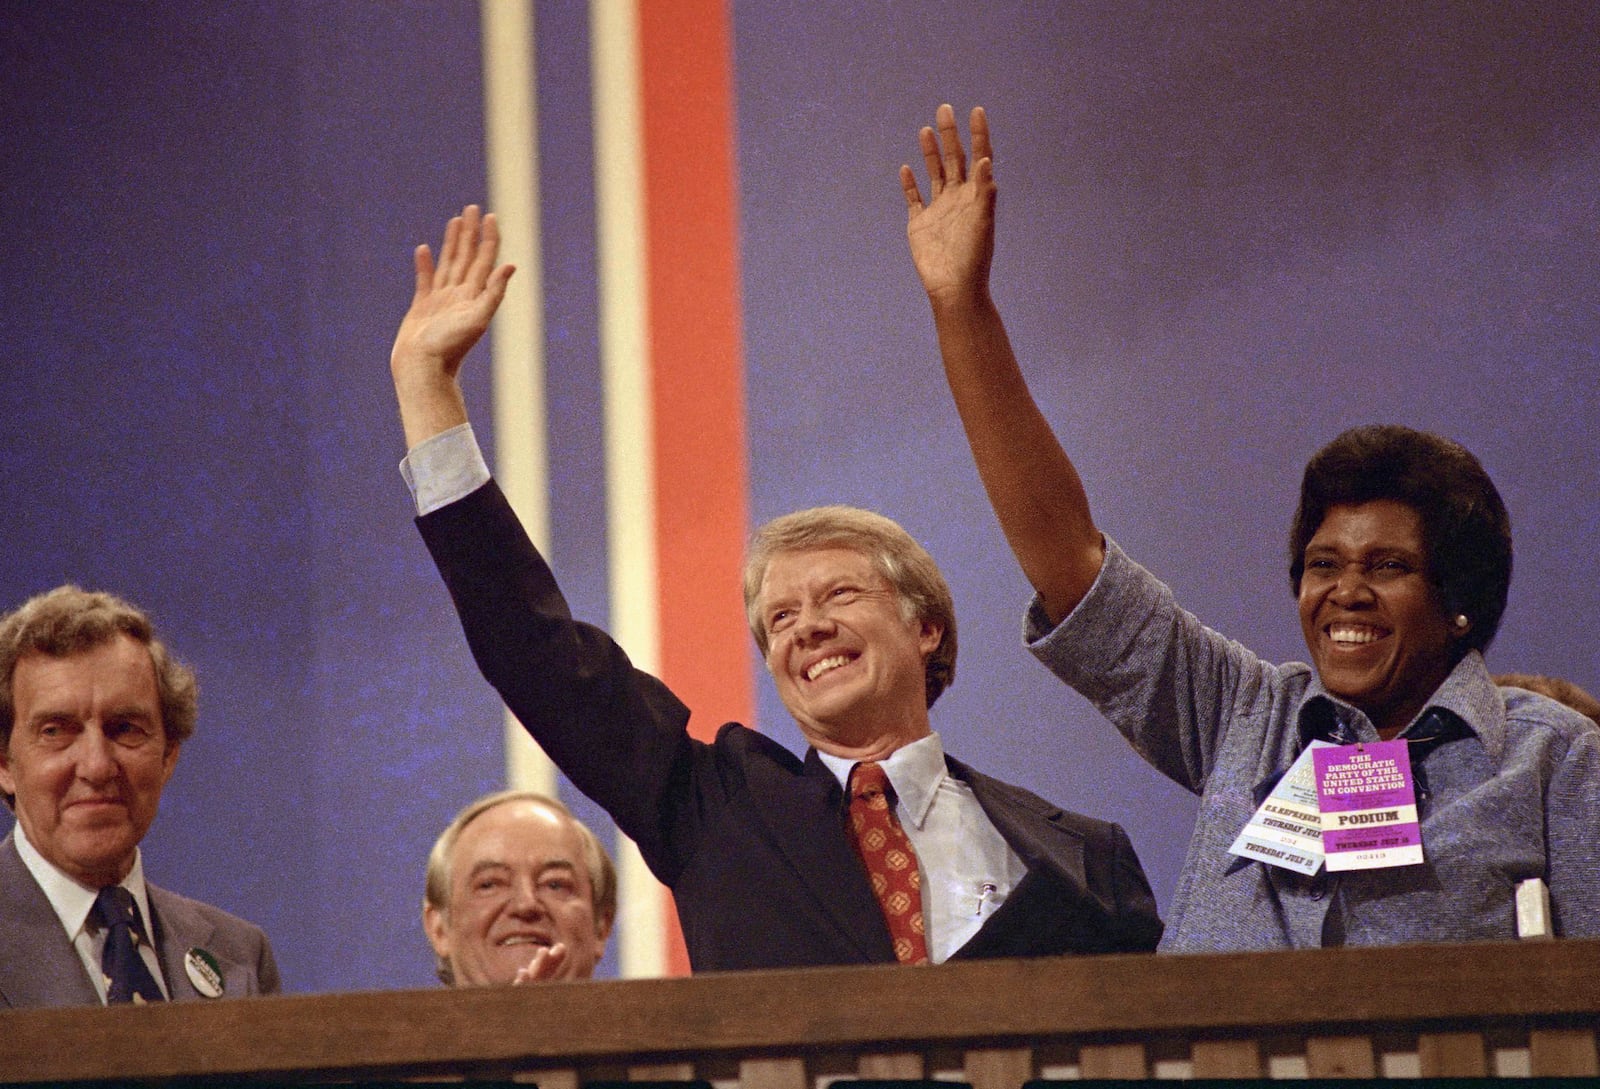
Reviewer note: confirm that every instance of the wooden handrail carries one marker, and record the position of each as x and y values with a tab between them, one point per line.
1005	1017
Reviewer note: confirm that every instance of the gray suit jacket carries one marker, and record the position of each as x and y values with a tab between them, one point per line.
40	967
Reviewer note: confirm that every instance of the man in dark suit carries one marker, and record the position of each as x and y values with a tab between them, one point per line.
93	712
858	631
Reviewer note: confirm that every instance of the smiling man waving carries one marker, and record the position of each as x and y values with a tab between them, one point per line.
875	847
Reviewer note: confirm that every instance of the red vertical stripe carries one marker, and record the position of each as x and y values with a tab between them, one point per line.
686	79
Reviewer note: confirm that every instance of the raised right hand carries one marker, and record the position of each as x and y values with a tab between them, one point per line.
450	310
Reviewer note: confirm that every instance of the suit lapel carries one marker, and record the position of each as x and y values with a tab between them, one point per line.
809	833
178	927
1051	850
39	966
1035	829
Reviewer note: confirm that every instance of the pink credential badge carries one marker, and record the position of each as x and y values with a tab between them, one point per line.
1369	806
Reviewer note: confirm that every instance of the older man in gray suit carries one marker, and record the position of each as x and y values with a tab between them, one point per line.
93	711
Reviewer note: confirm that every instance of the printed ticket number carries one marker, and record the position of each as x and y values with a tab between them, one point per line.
1287	828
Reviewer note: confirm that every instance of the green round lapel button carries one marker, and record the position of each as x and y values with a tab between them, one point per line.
204	972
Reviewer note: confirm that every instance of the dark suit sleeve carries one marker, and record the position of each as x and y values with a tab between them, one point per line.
1138	924
618	733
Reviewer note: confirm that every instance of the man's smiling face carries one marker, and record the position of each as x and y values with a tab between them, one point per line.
848	664
518	883
1371	614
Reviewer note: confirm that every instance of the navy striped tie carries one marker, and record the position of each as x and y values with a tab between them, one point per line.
127	977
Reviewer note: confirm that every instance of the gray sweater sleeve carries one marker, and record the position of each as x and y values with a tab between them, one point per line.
1172	686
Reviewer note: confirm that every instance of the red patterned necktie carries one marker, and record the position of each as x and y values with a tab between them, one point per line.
890	861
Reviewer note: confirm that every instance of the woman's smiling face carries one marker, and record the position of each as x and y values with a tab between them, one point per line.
1371	613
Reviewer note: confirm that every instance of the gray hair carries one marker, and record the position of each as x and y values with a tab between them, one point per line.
602	874
67	621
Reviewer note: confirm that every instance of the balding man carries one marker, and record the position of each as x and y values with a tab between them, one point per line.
518	891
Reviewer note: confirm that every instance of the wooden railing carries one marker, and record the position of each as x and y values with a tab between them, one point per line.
1469	1010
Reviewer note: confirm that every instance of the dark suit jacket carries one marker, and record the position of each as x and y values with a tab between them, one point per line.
749	837
40	967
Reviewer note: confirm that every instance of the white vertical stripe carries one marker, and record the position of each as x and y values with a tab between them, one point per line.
624	362
516	339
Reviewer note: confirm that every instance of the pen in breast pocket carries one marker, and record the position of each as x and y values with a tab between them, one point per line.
986	893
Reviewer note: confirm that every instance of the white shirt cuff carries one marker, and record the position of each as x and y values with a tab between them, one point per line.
447	467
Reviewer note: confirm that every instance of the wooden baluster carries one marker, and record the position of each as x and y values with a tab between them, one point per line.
1562	1053
1452	1055
1103	1061
773	1074
896	1066
549	1079
999	1068
659	1072
1226	1059
1341	1057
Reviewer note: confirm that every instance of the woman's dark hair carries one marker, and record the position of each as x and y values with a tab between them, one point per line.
1464	522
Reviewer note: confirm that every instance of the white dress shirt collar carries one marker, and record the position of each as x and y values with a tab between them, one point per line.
71	898
915	772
